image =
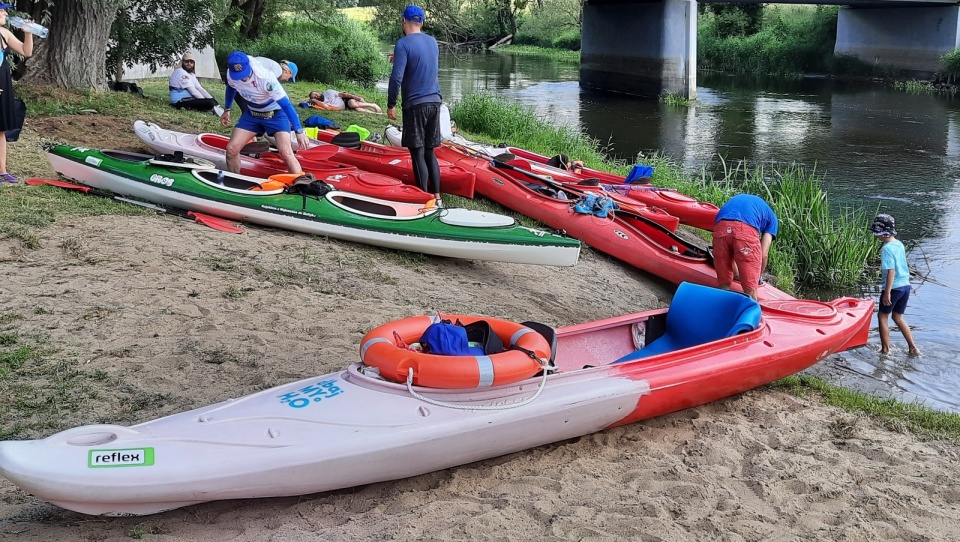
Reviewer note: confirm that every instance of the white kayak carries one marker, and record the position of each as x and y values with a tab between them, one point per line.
355	427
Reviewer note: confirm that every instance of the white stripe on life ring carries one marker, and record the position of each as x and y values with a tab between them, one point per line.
518	334
485	365
368	344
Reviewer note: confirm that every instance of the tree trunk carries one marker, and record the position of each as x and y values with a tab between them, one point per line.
74	54
253	22
250	15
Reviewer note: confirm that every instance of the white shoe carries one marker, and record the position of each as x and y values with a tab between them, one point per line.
218	110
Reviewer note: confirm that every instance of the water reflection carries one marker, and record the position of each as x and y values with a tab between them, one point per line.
877	147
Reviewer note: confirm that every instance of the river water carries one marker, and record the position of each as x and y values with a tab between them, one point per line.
875	147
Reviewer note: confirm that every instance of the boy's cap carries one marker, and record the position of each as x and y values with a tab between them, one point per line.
415	14
293	70
6	6
883	226
238	65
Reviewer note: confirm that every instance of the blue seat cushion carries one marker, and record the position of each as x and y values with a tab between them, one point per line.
698	315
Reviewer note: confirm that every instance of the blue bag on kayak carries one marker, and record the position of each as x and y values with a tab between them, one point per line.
638	174
316	121
448	339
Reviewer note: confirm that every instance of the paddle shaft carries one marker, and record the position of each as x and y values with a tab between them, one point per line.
622	212
207	220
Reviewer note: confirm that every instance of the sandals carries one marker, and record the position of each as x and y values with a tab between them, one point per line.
9	178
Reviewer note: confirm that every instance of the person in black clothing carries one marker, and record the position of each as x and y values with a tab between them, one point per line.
415	78
8	120
186	92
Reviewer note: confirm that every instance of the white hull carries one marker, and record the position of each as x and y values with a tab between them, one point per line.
354	430
165	141
450	248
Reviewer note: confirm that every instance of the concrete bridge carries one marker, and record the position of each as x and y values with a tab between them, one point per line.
649	48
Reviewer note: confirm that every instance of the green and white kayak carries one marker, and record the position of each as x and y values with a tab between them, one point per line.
454	233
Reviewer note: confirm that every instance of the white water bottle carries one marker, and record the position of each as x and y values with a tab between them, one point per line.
36	29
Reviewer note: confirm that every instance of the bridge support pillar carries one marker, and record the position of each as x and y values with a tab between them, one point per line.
910	39
644	49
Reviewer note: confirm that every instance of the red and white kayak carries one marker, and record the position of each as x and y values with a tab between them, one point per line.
360	426
344	177
393	161
628	235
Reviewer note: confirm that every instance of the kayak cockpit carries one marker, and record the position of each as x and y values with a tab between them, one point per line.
175	160
127	156
233	182
379	208
422	351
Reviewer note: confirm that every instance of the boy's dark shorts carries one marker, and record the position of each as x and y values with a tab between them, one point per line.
421	126
898	301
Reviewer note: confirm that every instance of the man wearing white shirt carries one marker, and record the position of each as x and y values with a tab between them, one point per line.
269	111
186	91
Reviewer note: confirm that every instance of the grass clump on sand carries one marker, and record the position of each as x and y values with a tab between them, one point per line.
895	415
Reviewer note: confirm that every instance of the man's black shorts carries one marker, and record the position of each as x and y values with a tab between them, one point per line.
421	126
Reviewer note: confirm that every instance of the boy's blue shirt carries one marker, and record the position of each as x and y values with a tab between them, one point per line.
751	210
894	256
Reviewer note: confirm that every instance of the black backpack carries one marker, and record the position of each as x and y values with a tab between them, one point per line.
308	185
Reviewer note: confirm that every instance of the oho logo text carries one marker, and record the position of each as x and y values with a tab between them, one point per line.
160	179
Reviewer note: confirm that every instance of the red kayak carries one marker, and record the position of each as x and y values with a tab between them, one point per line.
396	162
344	177
627	234
689	210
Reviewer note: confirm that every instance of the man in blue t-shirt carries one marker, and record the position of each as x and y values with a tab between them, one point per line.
742	235
895	287
416	67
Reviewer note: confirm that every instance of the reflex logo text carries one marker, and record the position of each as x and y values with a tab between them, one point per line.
133	457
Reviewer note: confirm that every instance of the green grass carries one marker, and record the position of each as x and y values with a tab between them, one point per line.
676	99
359	14
894	415
562	55
36	386
915	87
155	105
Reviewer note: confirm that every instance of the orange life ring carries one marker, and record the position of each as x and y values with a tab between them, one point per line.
379	349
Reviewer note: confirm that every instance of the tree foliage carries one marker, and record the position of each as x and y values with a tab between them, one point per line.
735	19
554	23
157	32
251	19
453	21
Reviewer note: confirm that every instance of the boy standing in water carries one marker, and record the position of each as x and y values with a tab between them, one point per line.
896	283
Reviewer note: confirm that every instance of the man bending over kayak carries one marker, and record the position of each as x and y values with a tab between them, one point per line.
269	111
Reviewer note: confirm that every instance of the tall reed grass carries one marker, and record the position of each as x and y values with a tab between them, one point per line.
818	246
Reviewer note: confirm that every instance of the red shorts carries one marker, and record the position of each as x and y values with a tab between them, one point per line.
737	242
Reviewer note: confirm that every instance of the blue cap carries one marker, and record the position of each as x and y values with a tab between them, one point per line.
414	13
6	6
238	65
293	70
